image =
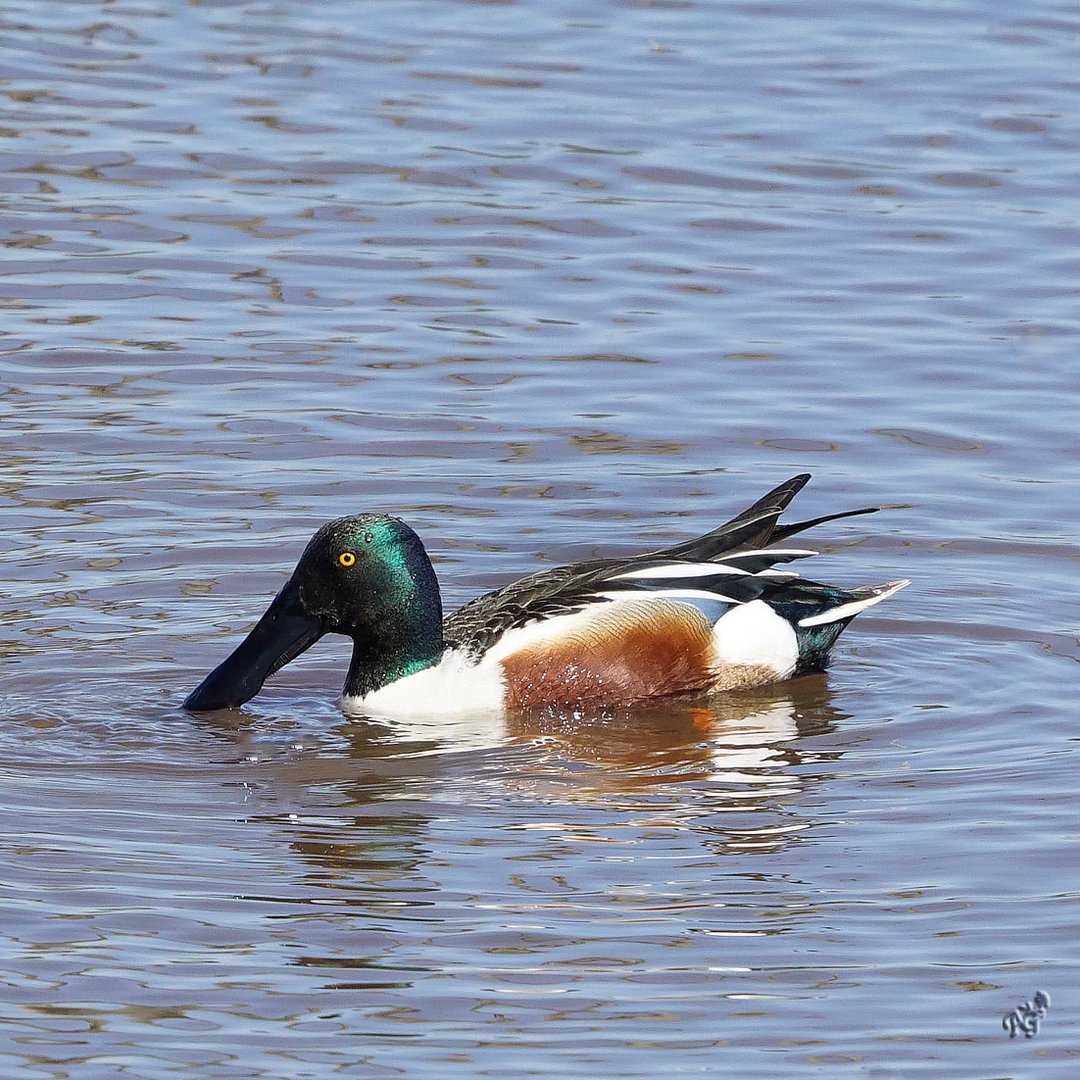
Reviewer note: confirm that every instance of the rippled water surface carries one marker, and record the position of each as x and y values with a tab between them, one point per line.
546	279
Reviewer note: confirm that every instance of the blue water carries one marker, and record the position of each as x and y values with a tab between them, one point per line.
547	280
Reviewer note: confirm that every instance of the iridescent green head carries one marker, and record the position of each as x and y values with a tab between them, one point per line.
367	577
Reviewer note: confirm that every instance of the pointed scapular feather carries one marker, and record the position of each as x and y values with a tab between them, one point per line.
754	562
678	570
668	594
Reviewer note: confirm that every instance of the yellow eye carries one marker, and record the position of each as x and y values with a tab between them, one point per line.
346	559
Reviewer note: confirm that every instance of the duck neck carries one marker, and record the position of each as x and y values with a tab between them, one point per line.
402	639
373	668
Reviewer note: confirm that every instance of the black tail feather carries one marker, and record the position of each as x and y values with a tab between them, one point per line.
756	527
777	499
753	528
788	530
784	531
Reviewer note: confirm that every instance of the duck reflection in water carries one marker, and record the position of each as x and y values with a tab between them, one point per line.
747	741
730	772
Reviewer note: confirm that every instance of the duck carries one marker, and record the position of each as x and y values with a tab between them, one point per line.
710	615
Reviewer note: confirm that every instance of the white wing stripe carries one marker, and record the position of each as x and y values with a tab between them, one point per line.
678	570
668	594
757	553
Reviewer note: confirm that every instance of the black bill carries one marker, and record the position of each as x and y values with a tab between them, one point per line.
282	634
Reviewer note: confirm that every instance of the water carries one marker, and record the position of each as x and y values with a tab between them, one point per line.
547	280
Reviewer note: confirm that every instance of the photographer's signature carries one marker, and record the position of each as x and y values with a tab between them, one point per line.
1027	1017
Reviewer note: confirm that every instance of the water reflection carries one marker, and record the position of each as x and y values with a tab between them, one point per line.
408	853
727	772
744	739
732	737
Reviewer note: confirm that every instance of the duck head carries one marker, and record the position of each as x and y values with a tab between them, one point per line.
367	577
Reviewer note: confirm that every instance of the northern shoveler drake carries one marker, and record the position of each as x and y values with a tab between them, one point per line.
702	616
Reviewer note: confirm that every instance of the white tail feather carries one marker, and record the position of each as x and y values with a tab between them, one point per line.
853	607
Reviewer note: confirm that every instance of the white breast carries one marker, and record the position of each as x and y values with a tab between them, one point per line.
453	685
